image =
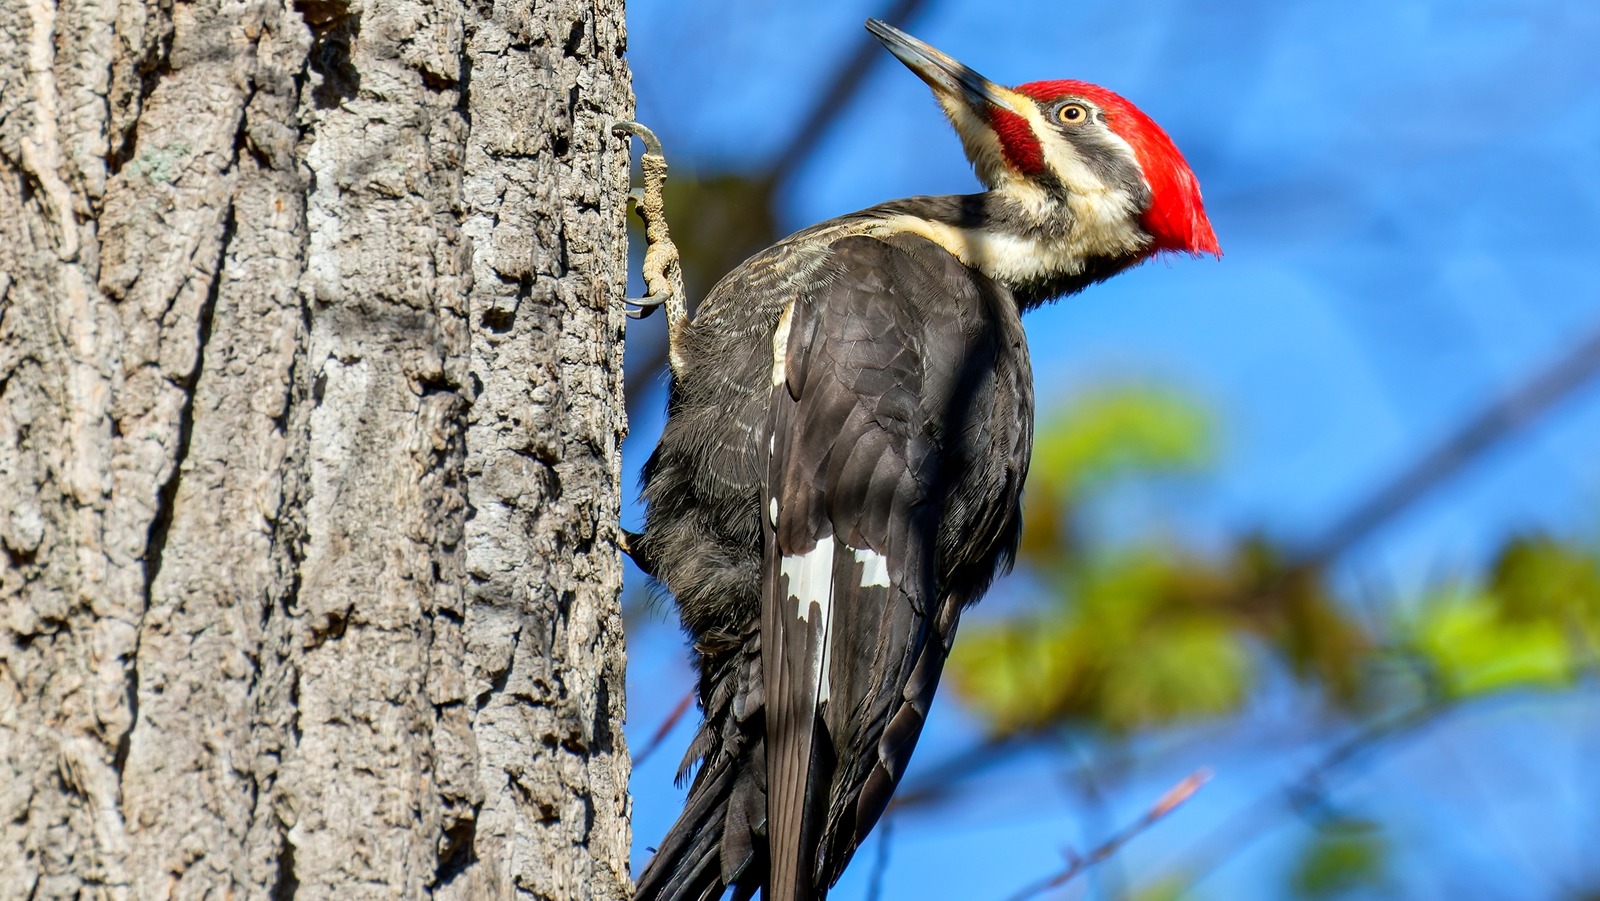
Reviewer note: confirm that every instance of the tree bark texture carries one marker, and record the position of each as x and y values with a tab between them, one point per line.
309	420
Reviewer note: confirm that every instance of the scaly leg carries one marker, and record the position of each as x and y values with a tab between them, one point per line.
663	278
663	271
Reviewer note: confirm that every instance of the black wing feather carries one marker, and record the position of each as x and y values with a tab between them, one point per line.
867	447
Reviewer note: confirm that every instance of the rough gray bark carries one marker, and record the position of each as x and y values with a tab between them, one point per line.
309	422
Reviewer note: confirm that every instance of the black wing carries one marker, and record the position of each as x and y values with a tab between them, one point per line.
888	378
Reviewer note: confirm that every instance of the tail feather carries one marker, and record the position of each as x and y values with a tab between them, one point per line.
715	839
720	838
687	864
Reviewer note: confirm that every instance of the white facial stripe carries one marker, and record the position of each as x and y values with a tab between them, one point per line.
1059	155
1104	220
1020	258
978	140
810	578
1133	158
874	568
1099	207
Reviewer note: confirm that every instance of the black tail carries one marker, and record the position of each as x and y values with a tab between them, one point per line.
714	843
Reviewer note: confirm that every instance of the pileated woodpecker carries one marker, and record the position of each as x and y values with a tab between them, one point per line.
850	421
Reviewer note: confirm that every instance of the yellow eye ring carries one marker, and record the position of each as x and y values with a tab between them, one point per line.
1073	114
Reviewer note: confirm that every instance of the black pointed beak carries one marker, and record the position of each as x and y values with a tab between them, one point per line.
942	73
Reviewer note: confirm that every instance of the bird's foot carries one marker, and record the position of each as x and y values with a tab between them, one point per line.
663	270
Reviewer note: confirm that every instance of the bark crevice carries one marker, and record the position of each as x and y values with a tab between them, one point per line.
167	493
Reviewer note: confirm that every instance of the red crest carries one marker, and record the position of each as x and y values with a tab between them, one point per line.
1176	217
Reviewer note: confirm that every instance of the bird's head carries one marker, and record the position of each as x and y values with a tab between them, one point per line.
1068	148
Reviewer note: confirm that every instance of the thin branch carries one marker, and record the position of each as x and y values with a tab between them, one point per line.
1098	763
1245	826
880	863
935	783
833	101
1077	864
1488	427
664	729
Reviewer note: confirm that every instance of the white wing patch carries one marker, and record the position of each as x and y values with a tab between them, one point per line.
874	568
810	579
780	345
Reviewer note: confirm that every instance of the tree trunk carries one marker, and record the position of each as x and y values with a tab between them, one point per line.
309	420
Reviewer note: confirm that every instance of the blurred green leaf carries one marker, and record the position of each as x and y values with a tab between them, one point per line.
1339	860
1108	434
1019	676
1134	642
1168	888
1317	636
1141	637
1541	578
1118	430
1474	649
1183	670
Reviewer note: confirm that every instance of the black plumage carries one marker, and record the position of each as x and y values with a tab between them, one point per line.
899	427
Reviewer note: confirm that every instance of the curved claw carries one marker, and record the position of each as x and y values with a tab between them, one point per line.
663	273
646	306
652	144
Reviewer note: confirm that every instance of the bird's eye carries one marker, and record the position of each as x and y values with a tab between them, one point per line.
1073	114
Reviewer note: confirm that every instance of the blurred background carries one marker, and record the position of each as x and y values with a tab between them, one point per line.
1319	519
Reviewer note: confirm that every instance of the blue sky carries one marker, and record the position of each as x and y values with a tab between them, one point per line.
1408	197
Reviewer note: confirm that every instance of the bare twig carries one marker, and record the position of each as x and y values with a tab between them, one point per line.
936	782
1077	864
880	863
1245	826
1484	430
662	730
846	82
